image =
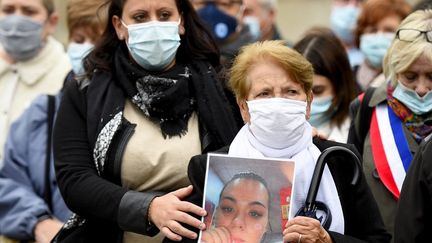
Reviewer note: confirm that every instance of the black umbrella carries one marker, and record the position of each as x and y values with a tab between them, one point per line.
311	206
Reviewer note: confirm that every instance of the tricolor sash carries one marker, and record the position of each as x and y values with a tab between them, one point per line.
390	148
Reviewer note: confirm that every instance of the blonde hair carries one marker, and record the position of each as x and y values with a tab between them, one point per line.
87	13
402	54
297	67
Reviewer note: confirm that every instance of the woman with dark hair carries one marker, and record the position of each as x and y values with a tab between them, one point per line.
333	82
203	48
124	134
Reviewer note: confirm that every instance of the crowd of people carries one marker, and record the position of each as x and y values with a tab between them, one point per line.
105	139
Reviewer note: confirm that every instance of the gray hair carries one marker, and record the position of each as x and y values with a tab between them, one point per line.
268	4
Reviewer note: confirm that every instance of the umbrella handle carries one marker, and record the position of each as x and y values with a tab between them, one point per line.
319	168
311	213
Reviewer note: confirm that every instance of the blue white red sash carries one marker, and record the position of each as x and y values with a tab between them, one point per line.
390	148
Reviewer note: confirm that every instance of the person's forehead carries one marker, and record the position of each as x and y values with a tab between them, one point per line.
85	31
421	64
347	2
246	190
137	4
218	1
22	3
250	2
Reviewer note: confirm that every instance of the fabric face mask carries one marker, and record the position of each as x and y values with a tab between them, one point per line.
20	36
76	53
221	24
343	20
254	26
374	47
153	45
277	122
319	108
418	105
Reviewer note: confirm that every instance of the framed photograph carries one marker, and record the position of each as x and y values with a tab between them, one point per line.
247	200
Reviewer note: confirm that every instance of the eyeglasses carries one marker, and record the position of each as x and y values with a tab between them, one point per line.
411	35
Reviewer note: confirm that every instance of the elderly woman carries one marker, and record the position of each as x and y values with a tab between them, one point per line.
390	122
273	86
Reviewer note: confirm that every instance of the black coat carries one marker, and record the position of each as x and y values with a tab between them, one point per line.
414	213
363	221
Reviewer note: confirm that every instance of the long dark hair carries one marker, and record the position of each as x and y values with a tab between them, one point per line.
196	44
329	59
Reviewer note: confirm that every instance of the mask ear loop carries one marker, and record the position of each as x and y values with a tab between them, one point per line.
239	16
124	24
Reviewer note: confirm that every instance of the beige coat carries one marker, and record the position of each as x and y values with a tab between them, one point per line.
21	82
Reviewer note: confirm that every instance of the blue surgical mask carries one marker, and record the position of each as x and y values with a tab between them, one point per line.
76	53
418	105
220	24
343	21
374	47
319	115
21	36
153	45
254	26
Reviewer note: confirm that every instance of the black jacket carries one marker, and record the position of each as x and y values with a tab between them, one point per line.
363	221
414	213
90	136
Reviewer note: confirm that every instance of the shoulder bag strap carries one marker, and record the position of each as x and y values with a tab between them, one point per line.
50	123
366	115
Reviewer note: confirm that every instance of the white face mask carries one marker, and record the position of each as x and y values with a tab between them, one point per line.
254	26
76	53
153	45
277	122
418	105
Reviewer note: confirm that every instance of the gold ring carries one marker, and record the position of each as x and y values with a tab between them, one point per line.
299	239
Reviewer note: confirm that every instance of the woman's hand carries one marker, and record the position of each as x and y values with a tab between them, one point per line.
169	211
46	229
317	133
216	235
305	230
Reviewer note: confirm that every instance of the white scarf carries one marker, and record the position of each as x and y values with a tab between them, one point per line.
305	154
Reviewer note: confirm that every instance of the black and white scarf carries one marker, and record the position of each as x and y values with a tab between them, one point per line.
164	98
169	98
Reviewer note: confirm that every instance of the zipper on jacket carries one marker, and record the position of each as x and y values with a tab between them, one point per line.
129	130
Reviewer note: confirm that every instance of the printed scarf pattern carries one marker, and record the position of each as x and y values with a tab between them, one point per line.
413	122
164	98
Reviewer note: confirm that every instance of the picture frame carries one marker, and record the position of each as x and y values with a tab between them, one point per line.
274	187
